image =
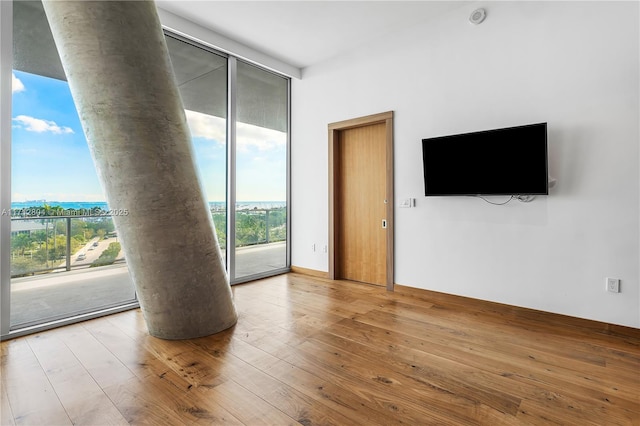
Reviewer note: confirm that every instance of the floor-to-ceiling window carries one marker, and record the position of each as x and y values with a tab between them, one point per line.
60	222
202	75
246	167
260	171
64	254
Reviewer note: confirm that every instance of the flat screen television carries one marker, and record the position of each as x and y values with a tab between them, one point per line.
509	161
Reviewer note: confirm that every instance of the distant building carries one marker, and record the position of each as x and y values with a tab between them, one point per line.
26	227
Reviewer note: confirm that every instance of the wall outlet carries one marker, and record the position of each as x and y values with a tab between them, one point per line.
613	285
324	249
313	248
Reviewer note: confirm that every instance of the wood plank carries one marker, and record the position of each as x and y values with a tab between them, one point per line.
620	363
144	402
461	379
336	397
168	372
511	333
184	373
32	399
501	342
442	381
6	415
377	383
250	367
532	315
122	346
147	365
315	390
103	366
312	351
247	407
416	351
174	380
83	399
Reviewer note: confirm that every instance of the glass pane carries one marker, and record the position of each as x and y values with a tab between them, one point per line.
62	259
41	288
261	171
202	81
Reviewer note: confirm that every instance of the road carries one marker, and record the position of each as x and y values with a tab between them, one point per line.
92	253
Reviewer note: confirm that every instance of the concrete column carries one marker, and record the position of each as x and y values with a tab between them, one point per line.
118	68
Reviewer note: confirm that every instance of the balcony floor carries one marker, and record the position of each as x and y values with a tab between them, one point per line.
52	296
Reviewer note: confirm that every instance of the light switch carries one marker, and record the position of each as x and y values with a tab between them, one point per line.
406	203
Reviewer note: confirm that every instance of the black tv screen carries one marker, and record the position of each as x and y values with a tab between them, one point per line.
509	161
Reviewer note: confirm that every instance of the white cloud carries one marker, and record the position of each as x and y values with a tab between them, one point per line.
58	196
248	136
16	84
259	137
38	125
207	126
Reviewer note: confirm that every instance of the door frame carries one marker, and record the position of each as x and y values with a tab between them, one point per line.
335	130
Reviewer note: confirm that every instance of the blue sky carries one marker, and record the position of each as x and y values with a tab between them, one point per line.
51	159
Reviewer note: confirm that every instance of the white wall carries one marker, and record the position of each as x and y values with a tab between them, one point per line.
573	65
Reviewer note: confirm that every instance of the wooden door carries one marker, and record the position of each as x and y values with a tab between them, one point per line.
363	204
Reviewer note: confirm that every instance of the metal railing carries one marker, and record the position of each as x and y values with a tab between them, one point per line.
260	226
35	245
39	250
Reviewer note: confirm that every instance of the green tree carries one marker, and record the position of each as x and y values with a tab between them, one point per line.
77	241
220	223
21	242
61	227
78	229
250	228
108	256
39	237
52	210
23	266
44	255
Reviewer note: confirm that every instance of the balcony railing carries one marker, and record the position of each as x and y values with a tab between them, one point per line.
58	243
41	244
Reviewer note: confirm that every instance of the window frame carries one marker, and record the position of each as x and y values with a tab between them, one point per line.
6	67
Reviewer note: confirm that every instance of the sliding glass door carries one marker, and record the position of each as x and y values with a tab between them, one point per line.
246	167
65	258
60	255
260	171
202	77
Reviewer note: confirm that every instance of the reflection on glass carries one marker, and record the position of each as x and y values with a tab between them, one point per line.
261	171
68	260
60	231
48	244
202	80
41	247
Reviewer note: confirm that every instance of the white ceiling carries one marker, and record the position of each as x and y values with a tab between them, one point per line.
303	33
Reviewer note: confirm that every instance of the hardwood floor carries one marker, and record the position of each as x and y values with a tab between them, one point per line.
311	351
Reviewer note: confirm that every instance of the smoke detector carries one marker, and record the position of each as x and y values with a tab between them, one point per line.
477	16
